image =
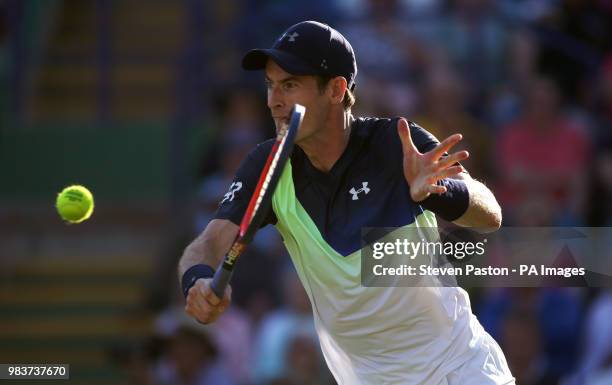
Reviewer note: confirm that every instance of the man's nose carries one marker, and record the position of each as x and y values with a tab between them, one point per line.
275	99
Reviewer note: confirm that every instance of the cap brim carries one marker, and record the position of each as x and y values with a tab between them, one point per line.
256	59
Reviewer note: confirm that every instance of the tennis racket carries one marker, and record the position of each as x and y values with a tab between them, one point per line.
261	199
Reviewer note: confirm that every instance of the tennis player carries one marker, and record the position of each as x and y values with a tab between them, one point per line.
347	173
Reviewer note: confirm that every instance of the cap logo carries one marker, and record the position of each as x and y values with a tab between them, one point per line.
292	36
324	64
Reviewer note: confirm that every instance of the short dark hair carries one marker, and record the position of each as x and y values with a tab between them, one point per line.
349	96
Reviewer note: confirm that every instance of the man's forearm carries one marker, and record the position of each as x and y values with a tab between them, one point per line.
483	210
199	251
210	246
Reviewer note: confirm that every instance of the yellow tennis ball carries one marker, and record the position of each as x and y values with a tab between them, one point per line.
74	204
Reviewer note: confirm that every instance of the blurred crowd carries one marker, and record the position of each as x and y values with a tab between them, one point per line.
529	85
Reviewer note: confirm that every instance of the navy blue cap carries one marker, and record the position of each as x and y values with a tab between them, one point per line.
308	48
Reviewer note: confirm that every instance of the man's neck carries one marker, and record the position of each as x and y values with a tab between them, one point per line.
325	149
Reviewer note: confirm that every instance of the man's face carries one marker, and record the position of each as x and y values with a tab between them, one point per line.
285	90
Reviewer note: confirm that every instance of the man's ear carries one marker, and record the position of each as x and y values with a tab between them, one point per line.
338	88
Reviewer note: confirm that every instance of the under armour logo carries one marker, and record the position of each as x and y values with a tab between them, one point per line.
231	194
363	189
292	36
324	64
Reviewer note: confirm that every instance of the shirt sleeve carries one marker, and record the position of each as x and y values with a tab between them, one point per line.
235	201
422	139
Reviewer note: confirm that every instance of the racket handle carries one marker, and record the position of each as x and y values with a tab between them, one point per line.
220	281
224	272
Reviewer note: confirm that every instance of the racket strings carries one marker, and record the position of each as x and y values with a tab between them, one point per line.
269	174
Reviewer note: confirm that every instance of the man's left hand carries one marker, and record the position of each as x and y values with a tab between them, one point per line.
423	171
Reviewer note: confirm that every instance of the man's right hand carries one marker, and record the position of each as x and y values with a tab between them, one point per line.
203	304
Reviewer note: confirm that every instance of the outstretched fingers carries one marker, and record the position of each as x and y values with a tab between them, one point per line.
452	159
448	172
448	143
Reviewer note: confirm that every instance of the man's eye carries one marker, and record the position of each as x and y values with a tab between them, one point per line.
290	85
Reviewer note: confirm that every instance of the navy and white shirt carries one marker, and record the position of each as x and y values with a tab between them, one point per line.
364	188
368	335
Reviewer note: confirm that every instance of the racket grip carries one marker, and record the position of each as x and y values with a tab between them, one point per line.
224	272
220	281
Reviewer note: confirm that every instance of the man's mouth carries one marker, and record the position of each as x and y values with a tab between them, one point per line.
282	122
282	119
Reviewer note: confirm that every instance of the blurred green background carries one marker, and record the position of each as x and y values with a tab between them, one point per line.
145	103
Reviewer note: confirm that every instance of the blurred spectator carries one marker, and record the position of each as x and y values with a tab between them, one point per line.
278	329
597	357
596	361
604	86
384	47
505	102
443	113
193	353
241	124
304	364
3	24
135	360
555	326
573	37
189	359
408	10
543	157
219	23
389	56
518	12
601	198
521	343
475	41
266	17
233	333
